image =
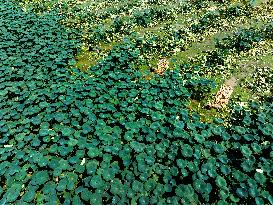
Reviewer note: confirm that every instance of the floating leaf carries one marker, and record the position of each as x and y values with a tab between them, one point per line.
29	195
93	152
96	181
40	178
221	182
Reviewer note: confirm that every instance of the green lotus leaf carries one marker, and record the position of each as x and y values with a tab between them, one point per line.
199	185
184	191
226	136
13	192
158	105
180	133
225	169
242	193
13	169
208	188
40	178
181	163
260	178
143	200
247	120
67	131
35	142
150	160
224	194
219	148
107	129
3	92
218	120
223	158
249	137
72	142
221	202
21	175
259	201
191	126
150	184
72	180
246	151
261	118
221	182
199	138
197	152
76	200
63	164
108	174
155	125
60	117
117	188
138	147
79	168
270	199
128	135
256	147
43	132
49	187
85	194
238	175
253	191
36	120
240	130
74	159
267	130
145	110
62	185
101	124
247	166
42	162
187	151
86	128
193	166
96	199
251	182
93	152
137	186
157	116
217	130
233	198
179	124
29	195
96	181
212	172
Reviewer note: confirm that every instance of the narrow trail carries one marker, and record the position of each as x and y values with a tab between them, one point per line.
223	95
208	43
246	65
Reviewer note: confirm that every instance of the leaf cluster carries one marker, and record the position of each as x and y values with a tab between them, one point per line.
111	136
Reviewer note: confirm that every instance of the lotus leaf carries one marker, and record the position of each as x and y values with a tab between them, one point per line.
221	182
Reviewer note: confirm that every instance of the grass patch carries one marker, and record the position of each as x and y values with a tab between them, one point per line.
207	115
241	94
86	58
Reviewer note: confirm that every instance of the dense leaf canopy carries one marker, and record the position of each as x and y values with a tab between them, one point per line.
110	136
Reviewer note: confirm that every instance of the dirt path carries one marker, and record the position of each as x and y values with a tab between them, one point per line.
260	56
246	64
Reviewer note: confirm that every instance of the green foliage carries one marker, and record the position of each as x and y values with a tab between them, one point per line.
244	39
111	136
